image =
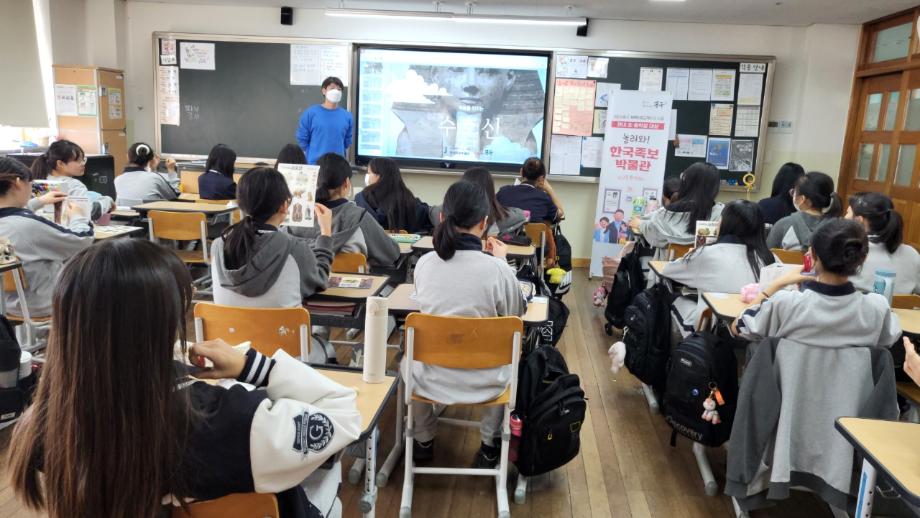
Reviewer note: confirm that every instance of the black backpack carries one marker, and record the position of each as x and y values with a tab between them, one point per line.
628	282
551	405
563	250
701	361
647	334
14	399
558	316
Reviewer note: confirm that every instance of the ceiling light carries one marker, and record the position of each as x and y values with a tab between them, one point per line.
460	18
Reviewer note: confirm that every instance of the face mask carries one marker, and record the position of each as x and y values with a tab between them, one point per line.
333	95
367	179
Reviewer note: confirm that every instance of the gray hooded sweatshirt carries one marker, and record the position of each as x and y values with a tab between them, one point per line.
511	224
281	272
354	230
663	227
794	231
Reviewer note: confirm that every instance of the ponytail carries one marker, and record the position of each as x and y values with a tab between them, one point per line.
465	204
885	224
445	239
140	154
40	167
63	150
834	208
334	171
818	189
239	241
261	194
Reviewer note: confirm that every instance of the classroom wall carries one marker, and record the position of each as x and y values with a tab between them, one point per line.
23	104
812	83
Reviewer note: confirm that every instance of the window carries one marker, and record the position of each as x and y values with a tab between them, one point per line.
905	169
865	161
892	43
873	110
892	112
881	174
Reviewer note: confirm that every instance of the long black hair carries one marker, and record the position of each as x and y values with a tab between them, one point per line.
483	178
743	220
390	196
290	154
221	159
140	154
841	245
465	204
818	188
699	186
63	150
333	172
261	193
533	169
885	224
786	178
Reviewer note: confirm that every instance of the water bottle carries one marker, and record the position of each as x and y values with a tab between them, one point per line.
517	428
884	284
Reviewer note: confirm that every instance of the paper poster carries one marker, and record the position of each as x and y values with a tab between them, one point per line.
600	119
597	67
572	66
311	64
611	200
678	83
750	89
301	180
592	151
672	132
168	95
720	119
65	100
723	85
115	112
691	146
196	55
565	155
747	121
650	79
114	95
754	68
573	110
707	232
717	151
602	93
741	157
86	101
168	52
699	85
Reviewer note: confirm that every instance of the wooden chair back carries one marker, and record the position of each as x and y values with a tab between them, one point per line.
536	232
248	505
9	284
349	262
789	256
268	329
188	181
905	301
463	342
178	226
236	216
676	251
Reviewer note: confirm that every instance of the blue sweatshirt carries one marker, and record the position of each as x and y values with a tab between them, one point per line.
322	131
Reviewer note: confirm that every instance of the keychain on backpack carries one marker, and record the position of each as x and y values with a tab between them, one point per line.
714	399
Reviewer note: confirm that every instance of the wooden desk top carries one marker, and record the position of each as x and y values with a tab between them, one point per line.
400	301
909	389
195	198
125	214
425	244
210	209
352	294
372	397
910	320
109	231
657	266
891	447
10	265
726	306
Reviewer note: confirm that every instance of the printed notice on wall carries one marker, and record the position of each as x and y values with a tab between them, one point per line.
602	94
650	79
723	85
691	146
573	110
168	52
86	101
678	83
592	152
311	64
168	95
65	100
196	55
750	89
741	157
565	155
700	84
115	103
575	67
720	119
747	121
597	67
600	120
301	179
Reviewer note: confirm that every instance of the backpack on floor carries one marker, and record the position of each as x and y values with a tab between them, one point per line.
551	405
563	250
701	362
628	281
16	391
558	316
647	334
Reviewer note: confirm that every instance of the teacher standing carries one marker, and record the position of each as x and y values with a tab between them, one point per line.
325	128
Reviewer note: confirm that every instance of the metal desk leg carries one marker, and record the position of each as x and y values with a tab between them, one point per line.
399	444
866	491
702	462
370	490
355	474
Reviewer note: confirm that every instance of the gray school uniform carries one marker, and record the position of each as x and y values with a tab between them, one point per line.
514	222
138	185
794	231
354	230
663	227
43	247
905	262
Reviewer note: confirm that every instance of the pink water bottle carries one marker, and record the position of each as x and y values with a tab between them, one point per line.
517	427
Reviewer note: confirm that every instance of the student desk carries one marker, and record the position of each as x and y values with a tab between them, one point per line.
425	244
726	306
910	321
343	307
351	294
400	303
371	400
195	198
209	209
889	449
125	214
657	267
112	231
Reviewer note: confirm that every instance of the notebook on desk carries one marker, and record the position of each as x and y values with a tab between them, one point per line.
350	282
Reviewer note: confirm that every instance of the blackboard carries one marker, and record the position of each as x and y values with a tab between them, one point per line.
692	116
247	102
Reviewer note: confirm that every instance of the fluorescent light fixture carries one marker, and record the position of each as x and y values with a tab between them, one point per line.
455	17
668	1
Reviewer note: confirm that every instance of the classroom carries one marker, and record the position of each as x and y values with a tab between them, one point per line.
644	258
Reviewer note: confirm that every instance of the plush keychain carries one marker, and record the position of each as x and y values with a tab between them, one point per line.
714	399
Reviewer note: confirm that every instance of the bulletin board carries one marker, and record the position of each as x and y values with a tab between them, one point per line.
245	92
734	110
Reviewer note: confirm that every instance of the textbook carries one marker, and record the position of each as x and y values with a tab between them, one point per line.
706	233
301	180
350	282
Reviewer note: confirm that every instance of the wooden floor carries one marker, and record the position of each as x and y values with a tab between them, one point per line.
626	467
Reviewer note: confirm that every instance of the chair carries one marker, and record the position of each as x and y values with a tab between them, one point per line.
462	343
243	505
349	262
188	181
268	329
181	226
905	301
236	216
15	281
676	251
789	256
541	235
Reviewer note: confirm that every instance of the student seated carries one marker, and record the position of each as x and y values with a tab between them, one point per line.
676	223
119	309
353	228
290	154
779	204
815	200
502	220
533	194
885	227
254	264
458	279
41	245
387	198
140	182
65	161
725	266
217	181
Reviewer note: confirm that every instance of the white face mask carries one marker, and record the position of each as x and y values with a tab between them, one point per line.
333	95
367	179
